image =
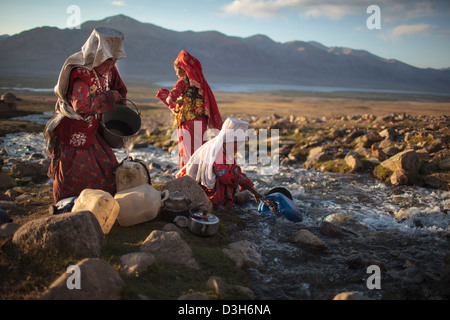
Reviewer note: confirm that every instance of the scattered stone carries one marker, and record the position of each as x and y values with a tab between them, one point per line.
351	296
7	231
169	247
136	262
351	159
305	238
243	253
181	221
97	281
315	155
172	227
6	181
220	287
331	229
32	169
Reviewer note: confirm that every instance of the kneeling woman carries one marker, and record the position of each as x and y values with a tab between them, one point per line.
214	167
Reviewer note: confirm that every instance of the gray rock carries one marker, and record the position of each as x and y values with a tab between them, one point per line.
169	247
136	262
243	253
351	159
407	160
76	232
192	190
221	288
6	181
305	238
98	281
29	169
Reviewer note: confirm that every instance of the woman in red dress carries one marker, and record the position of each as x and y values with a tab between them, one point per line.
89	84
194	105
214	167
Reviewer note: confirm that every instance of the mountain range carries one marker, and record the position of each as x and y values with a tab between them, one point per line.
151	50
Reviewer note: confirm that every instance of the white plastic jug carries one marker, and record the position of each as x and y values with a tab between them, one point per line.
101	203
139	204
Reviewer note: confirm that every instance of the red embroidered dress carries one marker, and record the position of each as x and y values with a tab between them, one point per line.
196	108
82	158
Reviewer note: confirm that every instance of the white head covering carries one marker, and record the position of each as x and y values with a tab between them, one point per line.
200	165
102	44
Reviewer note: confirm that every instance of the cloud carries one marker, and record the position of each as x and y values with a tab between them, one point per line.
403	30
334	9
119	3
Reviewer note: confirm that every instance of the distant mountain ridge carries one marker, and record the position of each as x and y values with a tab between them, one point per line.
151	50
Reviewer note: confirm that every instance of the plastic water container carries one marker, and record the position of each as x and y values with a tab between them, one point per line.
102	204
139	204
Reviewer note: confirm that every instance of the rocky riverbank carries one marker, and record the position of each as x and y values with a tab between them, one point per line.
399	149
333	249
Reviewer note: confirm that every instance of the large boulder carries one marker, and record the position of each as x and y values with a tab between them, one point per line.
399	168
192	191
76	232
407	160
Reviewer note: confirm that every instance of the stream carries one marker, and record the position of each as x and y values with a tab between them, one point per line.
409	251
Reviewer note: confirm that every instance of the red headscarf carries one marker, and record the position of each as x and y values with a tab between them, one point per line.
194	72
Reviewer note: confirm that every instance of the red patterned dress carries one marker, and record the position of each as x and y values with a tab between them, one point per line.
81	158
190	119
195	109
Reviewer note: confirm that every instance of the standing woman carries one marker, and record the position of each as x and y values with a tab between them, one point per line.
194	105
89	84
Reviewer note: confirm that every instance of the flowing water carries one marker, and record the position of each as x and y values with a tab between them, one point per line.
362	205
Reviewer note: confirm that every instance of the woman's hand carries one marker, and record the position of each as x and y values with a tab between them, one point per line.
169	100
117	96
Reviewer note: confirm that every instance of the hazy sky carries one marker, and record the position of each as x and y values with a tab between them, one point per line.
415	32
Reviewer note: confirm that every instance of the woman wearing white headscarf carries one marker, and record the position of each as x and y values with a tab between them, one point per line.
89	84
214	167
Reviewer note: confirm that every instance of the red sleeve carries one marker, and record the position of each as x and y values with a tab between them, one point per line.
178	89
232	175
117	83
83	102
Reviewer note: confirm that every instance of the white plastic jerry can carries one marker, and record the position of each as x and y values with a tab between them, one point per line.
139	204
102	204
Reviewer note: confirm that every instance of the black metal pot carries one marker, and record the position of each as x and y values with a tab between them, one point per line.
119	124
